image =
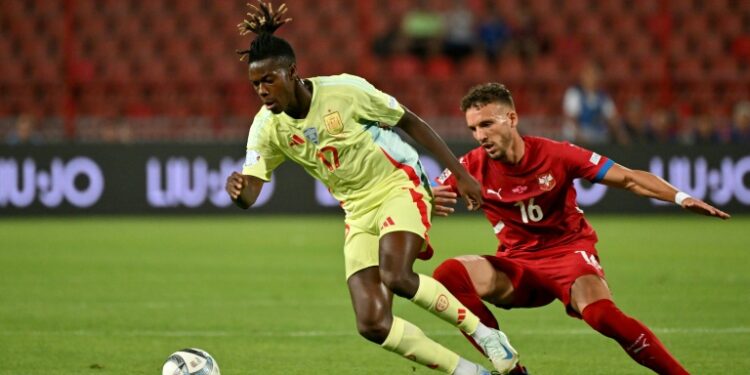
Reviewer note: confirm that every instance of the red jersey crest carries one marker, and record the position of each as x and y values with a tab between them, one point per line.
546	181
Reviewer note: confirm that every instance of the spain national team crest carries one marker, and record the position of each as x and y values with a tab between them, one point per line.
546	181
333	122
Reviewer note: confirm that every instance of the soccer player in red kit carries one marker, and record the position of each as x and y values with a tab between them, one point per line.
547	248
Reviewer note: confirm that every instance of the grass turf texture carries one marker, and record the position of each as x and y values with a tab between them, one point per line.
266	295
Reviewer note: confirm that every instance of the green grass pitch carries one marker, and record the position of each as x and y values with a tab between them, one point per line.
266	295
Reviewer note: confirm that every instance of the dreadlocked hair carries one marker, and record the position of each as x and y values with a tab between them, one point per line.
487	93
263	21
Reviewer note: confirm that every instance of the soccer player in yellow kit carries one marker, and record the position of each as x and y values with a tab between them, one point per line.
339	129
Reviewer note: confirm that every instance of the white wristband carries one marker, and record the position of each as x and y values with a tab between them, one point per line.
680	197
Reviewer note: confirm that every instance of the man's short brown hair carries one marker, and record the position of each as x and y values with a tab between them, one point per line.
487	93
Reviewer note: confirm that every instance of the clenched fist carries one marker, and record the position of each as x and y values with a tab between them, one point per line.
236	182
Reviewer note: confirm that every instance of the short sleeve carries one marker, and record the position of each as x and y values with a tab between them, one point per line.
262	157
374	105
585	163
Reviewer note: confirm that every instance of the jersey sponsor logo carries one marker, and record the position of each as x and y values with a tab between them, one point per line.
312	135
595	158
333	122
546	181
251	158
296	140
444	176
79	181
495	192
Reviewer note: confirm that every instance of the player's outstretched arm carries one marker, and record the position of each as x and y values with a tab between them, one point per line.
243	190
468	187
649	185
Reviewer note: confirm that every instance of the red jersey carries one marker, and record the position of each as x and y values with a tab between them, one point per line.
532	205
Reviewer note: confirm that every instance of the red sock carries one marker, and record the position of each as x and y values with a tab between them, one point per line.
452	274
638	341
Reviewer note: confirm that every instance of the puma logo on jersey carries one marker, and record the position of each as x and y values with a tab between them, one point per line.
495	192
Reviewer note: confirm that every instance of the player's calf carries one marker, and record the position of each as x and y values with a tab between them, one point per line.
494	343
638	341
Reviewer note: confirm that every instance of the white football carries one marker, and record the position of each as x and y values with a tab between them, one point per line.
190	362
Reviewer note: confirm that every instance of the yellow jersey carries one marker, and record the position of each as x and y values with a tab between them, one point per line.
346	141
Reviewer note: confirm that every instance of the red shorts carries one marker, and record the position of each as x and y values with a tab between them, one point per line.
537	281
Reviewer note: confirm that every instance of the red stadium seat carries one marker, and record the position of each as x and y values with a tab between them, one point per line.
475	69
689	70
511	69
13	72
618	69
440	68
151	50
404	67
741	48
545	70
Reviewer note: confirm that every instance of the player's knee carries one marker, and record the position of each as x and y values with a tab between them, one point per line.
599	314
452	274
401	283
373	328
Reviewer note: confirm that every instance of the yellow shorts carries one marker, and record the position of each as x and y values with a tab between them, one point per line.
406	209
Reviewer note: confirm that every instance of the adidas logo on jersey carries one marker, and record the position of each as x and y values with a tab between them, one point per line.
387	223
296	140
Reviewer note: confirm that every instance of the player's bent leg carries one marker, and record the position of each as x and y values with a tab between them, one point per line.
469	279
591	297
398	251
468	287
372	303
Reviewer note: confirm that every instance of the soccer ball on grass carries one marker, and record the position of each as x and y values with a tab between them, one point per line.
190	362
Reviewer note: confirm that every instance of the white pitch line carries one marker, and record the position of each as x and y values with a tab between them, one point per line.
147	333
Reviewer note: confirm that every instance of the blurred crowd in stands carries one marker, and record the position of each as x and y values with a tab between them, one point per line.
597	72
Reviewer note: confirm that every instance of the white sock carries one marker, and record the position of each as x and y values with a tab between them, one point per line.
467	368
481	332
